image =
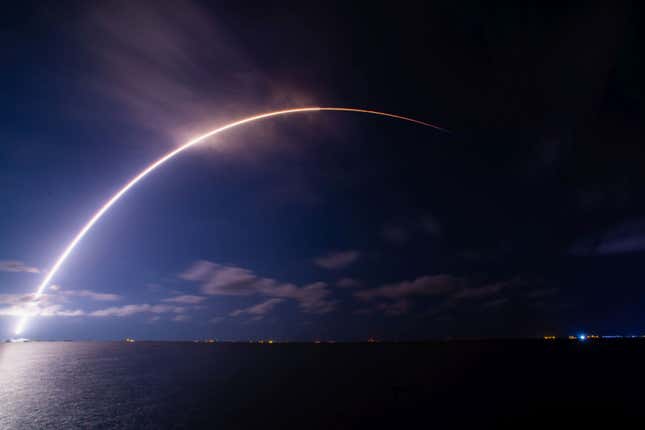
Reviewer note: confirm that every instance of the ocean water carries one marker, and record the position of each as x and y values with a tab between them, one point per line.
158	385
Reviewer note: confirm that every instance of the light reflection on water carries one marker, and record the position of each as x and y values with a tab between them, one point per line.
48	384
101	385
159	385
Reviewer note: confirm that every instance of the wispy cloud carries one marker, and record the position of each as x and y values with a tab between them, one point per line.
261	309
129	310
626	237
223	280
186	72
57	294
218	279
398	298
186	299
14	299
24	304
48	306
314	298
160	77
337	260
422	286
17	267
92	295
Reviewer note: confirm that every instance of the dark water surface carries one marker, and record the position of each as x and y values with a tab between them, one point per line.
156	385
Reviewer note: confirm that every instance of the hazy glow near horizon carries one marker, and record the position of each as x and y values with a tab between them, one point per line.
20	327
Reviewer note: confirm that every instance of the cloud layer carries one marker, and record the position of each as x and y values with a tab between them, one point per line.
337	260
92	295
422	286
49	305
626	237
217	279
187	299
17	267
398	298
259	310
129	310
161	74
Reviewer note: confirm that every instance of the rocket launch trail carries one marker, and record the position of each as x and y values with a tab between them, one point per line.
22	323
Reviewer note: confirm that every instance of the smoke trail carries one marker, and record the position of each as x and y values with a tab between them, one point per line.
20	327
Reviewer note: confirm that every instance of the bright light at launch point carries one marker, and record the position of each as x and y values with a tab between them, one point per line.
20	327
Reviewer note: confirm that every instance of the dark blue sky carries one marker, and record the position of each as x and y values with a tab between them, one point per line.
527	219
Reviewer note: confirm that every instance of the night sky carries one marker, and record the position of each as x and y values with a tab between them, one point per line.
527	219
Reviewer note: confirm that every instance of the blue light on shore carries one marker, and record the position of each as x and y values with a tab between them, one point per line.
582	337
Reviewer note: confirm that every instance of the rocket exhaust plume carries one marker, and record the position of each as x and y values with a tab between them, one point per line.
22	323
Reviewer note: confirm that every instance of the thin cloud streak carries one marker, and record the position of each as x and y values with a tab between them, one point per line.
422	286
17	266
259	310
217	279
186	299
156	74
36	311
24	304
337	260
102	297
129	310
626	237
397	299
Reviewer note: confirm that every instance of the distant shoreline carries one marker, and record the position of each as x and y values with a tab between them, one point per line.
599	339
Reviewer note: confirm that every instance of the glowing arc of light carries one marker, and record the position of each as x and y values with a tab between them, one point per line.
70	247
